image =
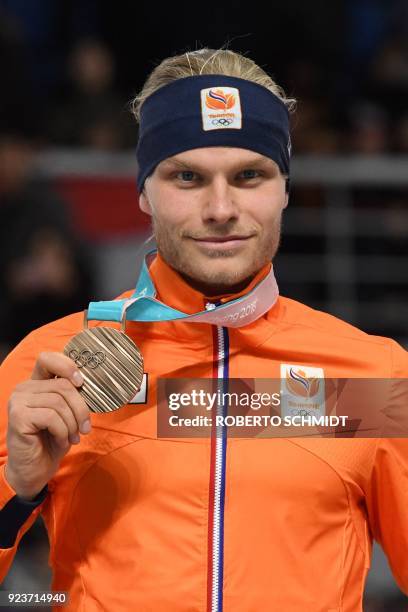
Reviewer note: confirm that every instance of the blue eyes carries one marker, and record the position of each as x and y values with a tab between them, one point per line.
249	174
188	176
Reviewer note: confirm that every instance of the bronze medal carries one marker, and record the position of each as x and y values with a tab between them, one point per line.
111	364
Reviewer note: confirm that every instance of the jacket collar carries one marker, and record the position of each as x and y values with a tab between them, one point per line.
174	291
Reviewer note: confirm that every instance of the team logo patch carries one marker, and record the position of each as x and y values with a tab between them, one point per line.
303	390
221	108
141	395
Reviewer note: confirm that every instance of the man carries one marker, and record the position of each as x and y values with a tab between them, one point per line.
142	522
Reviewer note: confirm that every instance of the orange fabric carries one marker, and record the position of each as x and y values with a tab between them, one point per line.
127	513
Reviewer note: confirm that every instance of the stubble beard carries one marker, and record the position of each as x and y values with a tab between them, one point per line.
209	281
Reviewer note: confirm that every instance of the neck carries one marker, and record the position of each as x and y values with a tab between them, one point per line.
214	289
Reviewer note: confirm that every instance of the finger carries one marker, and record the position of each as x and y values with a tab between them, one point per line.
49	365
67	391
43	419
55	401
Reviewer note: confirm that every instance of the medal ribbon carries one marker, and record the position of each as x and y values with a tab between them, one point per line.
144	307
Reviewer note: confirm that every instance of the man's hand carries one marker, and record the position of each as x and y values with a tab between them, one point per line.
45	416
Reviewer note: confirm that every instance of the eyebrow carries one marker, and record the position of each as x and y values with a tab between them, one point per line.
255	161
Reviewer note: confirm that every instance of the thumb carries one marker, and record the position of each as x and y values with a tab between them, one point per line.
51	365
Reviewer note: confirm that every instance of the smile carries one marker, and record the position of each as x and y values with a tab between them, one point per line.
223	243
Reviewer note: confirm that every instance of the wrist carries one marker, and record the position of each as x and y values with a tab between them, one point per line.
24	492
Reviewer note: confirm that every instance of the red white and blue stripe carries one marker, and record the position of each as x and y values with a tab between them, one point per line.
217	96
217	477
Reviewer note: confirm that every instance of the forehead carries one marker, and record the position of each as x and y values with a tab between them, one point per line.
217	158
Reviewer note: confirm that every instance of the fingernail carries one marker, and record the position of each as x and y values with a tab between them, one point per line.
78	379
75	439
86	426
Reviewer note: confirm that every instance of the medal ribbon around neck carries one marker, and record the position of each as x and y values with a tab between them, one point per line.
110	362
143	306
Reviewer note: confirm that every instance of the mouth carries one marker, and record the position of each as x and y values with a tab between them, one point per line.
222	242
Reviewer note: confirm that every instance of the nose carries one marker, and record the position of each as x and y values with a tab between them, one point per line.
219	205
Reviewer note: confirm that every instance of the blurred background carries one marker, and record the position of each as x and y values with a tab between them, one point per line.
70	227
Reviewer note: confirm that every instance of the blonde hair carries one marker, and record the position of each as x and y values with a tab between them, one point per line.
207	61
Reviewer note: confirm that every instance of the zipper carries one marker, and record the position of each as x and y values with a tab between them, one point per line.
217	478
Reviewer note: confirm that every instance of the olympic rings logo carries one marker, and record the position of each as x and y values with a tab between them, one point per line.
87	358
223	121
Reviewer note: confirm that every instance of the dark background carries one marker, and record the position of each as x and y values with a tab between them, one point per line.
346	60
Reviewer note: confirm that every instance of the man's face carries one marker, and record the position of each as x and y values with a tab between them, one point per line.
216	215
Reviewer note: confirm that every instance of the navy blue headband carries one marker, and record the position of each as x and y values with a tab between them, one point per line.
211	111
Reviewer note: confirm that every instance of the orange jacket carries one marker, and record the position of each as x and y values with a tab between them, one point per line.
138	522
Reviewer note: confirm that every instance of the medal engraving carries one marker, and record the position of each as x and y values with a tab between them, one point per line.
86	357
111	365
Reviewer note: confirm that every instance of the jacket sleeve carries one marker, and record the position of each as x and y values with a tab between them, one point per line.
16	515
387	498
388	505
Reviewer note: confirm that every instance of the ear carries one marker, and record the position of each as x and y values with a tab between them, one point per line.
287	191
144	203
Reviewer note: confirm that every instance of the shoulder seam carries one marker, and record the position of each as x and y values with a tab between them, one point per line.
384	341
